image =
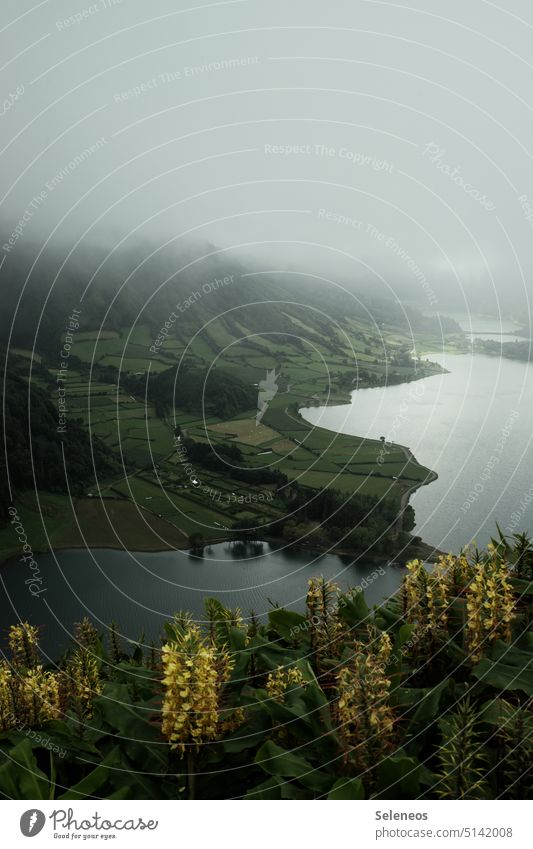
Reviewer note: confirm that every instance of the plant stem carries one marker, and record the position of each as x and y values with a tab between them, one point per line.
191	775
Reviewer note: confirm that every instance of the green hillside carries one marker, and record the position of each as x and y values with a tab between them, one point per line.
170	384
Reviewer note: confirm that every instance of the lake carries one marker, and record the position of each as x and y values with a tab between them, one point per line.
487	328
142	591
473	427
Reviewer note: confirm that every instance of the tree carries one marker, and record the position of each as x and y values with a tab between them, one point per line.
197	542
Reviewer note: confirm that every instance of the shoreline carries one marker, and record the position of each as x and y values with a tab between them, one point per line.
404	498
10	555
335	552
16	554
346	398
431	477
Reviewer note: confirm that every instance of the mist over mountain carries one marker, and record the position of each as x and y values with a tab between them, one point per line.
139	283
266	379
325	140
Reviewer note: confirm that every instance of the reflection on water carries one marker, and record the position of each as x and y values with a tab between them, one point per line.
141	591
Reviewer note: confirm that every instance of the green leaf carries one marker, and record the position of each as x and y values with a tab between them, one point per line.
125	792
57	737
277	761
522	587
318	711
131	720
247	736
398	777
273	656
292	791
270	789
428	708
388	616
20	777
353	609
406	697
402	637
504	676
287	623
236	638
110	772
508	667
146	746
170	631
347	788
291	711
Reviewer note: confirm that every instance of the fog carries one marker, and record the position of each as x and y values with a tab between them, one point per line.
384	144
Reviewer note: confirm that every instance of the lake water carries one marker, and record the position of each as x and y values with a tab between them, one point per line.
142	591
473	426
487	328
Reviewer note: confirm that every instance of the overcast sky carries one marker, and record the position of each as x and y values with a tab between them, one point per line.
358	138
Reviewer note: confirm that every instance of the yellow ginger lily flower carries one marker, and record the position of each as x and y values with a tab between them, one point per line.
193	676
282	681
366	720
24	645
84	681
40	697
28	698
325	627
427	595
490	607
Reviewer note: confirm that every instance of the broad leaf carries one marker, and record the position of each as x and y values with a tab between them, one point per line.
20	777
347	788
277	761
398	777
287	623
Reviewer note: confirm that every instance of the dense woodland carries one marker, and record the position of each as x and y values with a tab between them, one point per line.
111	305
38	457
206	392
512	350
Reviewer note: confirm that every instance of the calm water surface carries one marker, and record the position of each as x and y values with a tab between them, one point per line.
473	426
487	328
141	591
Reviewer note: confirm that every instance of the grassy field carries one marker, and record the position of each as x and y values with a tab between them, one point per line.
156	502
246	431
56	522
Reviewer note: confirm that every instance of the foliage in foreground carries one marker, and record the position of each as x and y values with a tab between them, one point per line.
428	696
